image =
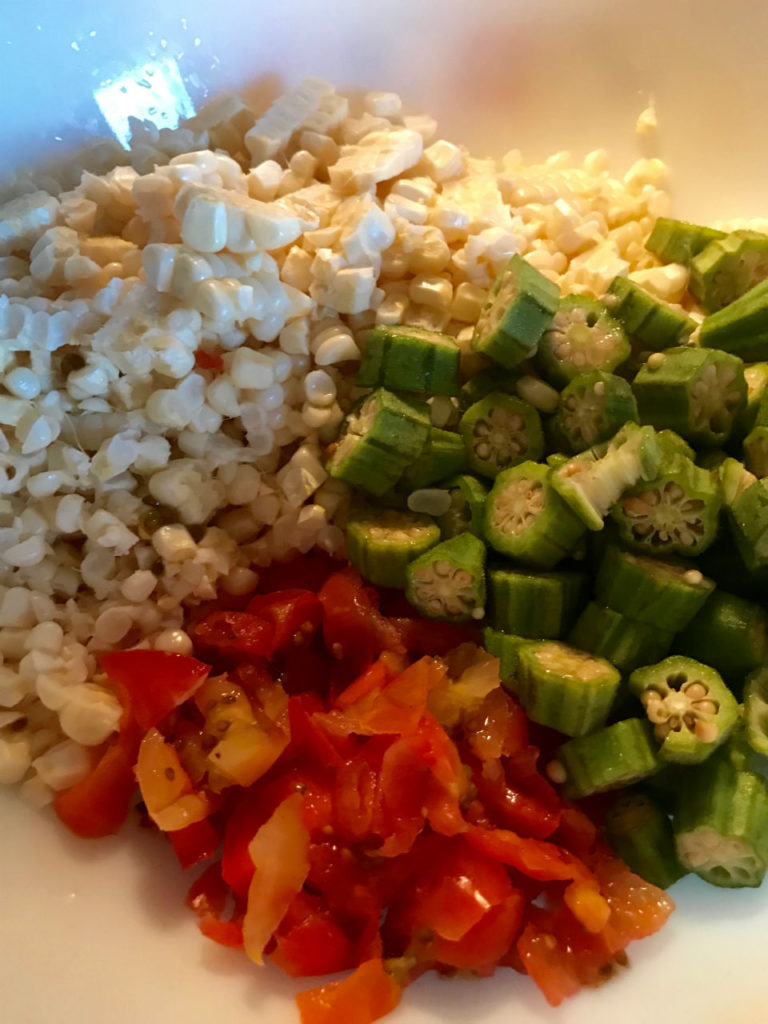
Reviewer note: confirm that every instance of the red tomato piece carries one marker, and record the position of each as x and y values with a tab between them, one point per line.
427	636
485	943
309	571
532	857
309	941
294	614
208	897
195	843
150	684
366	995
230	632
99	804
354	630
208	360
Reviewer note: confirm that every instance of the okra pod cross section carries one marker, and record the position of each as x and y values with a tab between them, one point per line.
593	407
500	431
448	581
583	336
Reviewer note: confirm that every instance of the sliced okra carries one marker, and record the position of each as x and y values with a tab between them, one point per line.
505	647
728	267
676	513
755	413
639	830
467	496
486	381
619	639
536	605
673	447
733	478
583	336
500	431
593	481
741	327
593	406
755	449
520	306
665	595
655	324
378	441
756	710
678	241
410	358
696	392
564	688
748	519
610	758
721	824
448	581
526	519
729	633
381	543
692	710
443	456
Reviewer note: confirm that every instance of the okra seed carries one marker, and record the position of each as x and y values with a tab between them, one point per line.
655	360
693	577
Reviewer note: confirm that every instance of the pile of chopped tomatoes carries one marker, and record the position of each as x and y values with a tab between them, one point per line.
367	796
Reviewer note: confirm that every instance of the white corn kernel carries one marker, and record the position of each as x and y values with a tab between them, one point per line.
443	160
432	291
90	715
320	388
174	641
13	689
240	581
174	543
138	586
382	104
63	766
15	759
250	369
46	636
22	382
538	393
430	501
335	347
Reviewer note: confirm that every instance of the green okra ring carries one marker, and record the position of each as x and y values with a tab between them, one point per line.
610	758
500	431
640	832
448	581
381	543
583	336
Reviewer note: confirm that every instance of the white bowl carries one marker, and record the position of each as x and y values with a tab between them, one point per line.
93	932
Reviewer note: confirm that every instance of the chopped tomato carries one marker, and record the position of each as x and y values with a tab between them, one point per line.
366	995
309	571
166	788
150	684
99	804
354	630
229	633
294	614
428	636
195	843
208	360
309	942
280	855
532	857
208	897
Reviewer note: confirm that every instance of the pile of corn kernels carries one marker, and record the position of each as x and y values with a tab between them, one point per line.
179	336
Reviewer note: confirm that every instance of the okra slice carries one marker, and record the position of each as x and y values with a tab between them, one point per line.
696	392
448	581
610	758
677	513
593	481
564	688
526	519
733	478
520	305
486	381
410	358
692	710
467	496
665	595
500	431
678	241
537	605
741	327
729	633
444	455
755	413
505	647
378	441
639	830
755	450
721	824
583	336
756	710
672	448
728	267
593	407
748	519
381	543
657	325
619	639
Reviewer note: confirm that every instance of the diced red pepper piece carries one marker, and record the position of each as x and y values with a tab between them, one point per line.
366	995
229	632
294	614
150	684
195	843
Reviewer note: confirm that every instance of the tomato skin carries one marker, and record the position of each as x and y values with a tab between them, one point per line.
230	632
309	942
208	898
354	630
208	360
150	684
428	636
309	571
100	804
366	995
195	843
295	616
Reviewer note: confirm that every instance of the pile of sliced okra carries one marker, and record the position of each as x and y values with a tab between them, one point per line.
598	497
